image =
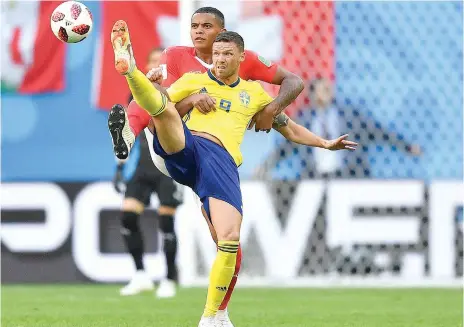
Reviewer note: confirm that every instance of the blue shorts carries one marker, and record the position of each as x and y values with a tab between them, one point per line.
206	167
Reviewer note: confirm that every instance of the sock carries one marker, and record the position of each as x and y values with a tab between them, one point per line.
220	276
138	118
166	224
146	95
231	287
133	237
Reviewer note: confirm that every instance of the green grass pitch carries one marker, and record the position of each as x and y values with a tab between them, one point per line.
101	306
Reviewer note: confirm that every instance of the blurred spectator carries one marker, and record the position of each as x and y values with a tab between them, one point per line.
329	119
153	61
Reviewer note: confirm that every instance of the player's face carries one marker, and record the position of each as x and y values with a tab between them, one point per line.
203	30
226	59
154	60
323	93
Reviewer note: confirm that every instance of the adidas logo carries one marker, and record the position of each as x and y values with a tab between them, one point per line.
221	288
203	90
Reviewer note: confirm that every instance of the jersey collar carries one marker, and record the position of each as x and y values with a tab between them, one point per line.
211	75
204	64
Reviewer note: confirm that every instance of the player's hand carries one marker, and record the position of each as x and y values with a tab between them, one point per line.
118	180
340	143
204	103
263	120
155	75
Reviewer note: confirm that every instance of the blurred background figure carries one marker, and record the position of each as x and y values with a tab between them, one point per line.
145	181
327	118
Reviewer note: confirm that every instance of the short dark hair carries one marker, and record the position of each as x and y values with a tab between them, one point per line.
156	49
153	50
213	11
232	37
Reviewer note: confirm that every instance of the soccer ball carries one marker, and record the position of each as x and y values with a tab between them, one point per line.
71	22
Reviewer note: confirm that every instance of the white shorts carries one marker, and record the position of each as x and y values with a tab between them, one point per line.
157	160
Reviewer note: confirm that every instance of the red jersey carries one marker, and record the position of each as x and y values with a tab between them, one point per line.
176	61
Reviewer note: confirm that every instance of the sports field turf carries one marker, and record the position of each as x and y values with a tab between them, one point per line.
101	306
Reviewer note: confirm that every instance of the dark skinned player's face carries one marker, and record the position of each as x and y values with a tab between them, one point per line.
226	59
203	30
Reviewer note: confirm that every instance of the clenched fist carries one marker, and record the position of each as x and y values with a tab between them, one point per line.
155	75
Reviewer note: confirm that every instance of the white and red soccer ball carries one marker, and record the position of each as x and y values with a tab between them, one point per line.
71	22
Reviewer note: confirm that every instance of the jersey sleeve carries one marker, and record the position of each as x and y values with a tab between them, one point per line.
259	68
168	64
181	88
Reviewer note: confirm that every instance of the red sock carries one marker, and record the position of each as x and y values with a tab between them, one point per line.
238	263
138	118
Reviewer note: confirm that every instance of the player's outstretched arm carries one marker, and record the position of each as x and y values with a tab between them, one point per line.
299	134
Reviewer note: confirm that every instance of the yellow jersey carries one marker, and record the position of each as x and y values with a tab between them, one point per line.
236	104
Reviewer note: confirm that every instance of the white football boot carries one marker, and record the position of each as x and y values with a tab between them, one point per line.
139	283
124	60
208	322
222	319
121	134
166	289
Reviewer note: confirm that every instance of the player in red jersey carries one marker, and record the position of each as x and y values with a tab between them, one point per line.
206	24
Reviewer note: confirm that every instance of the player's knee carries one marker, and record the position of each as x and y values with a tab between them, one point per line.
164	210
133	205
170	113
231	235
166	224
129	221
171	109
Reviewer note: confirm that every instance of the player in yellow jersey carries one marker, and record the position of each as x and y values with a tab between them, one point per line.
204	151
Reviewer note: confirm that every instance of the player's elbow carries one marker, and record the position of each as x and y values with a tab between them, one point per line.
300	84
297	81
284	76
182	109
